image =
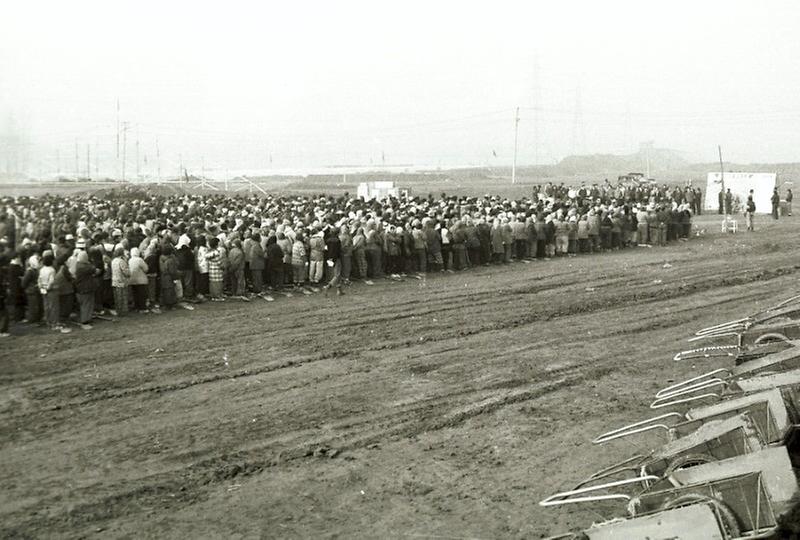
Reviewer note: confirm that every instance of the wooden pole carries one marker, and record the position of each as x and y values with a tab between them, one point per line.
516	133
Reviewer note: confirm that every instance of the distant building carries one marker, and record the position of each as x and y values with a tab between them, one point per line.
377	190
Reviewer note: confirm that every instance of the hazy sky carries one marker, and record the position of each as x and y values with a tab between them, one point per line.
299	84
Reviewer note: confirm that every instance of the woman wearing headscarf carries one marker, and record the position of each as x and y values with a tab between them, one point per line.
186	265
236	268
46	283
274	263
138	269
215	275
316	257
120	280
33	308
85	286
66	290
202	266
359	254
151	259
299	262
168	266
257	264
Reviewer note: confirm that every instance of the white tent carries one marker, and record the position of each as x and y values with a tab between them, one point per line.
740	184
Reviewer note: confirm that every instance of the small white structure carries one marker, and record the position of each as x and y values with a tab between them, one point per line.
740	184
377	190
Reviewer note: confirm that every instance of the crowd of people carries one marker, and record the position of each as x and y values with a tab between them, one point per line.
66	260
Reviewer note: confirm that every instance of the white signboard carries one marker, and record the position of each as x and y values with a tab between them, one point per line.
740	184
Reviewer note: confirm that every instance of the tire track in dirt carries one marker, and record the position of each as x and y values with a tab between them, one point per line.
183	487
629	297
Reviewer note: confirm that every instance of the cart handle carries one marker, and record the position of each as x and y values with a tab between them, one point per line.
568	497
638	427
692	383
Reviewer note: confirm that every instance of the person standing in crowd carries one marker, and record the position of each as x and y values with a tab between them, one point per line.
257	264
721	200
120	280
789	198
520	237
473	243
359	254
346	242
299	260
698	201
728	202
498	250
274	256
447	248
138	280
49	292
66	290
33	307
749	212
201	267
236	269
373	247
85	286
333	251
776	201
583	234
168	266
151	258
186	265
420	248
458	248
433	245
215	276
285	243
16	294
317	257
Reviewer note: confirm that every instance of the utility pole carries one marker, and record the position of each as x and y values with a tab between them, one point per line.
721	168
96	159
516	133
117	128
536	108
124	147
137	151
58	159
88	164
77	168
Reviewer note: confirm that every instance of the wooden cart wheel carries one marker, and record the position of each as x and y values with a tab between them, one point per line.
687	460
771	337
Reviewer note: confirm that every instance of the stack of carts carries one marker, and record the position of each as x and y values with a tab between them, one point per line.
732	443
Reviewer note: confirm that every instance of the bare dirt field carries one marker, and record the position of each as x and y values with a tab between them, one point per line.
439	409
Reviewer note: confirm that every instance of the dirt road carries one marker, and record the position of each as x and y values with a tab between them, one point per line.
444	408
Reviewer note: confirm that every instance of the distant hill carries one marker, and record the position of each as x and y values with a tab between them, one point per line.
661	159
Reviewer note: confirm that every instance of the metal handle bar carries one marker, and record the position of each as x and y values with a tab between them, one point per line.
698	338
633	463
564	496
690	383
638	427
721	350
720	326
657	405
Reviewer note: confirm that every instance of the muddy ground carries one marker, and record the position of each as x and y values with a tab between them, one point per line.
439	409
